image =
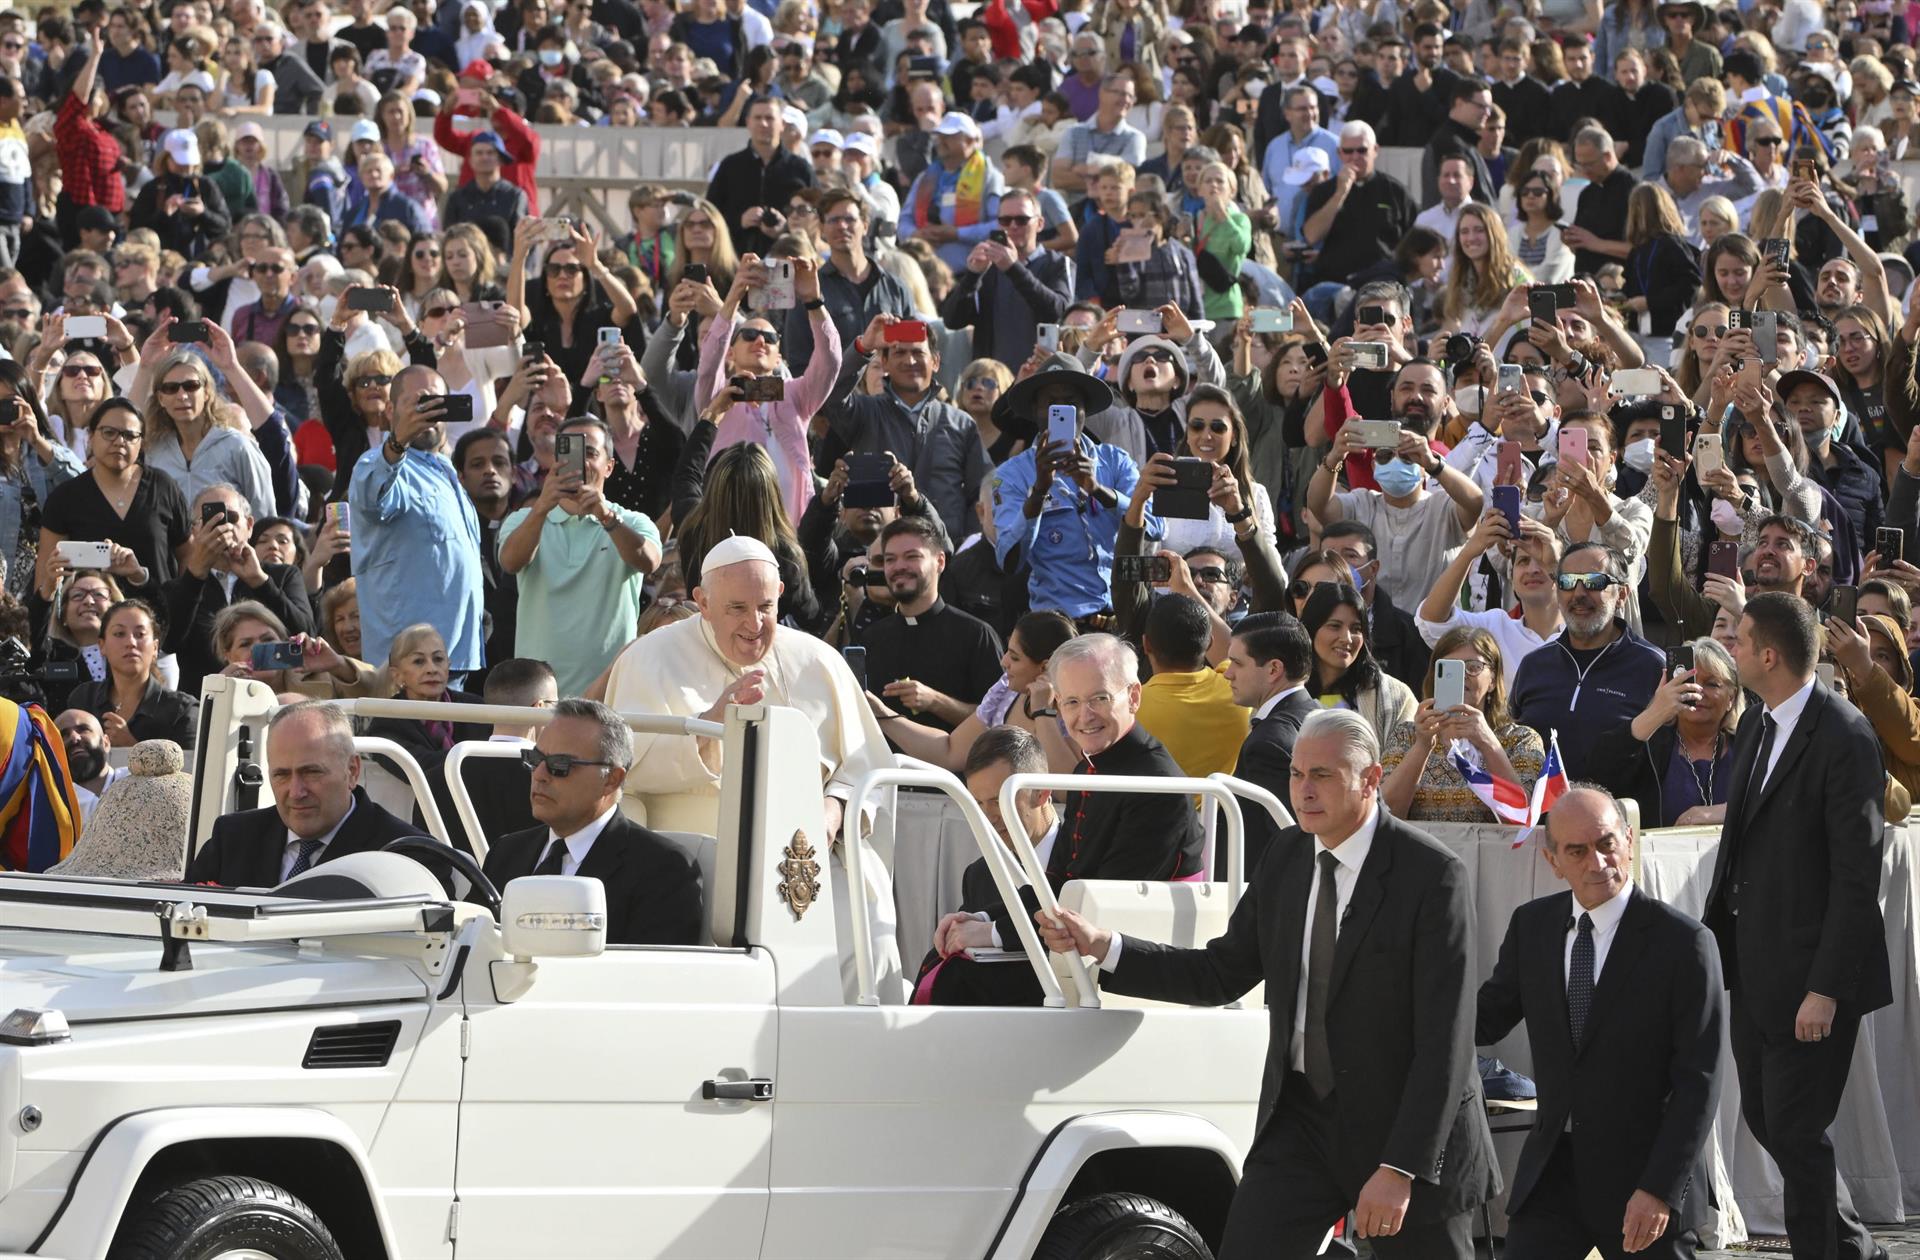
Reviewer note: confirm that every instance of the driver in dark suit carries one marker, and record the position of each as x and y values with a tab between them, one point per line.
319	810
1362	929
581	762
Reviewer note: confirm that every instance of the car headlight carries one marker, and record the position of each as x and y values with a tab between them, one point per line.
34	1026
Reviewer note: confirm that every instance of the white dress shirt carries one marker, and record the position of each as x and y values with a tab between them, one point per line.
578	844
1606	921
1785	717
1273	701
291	852
1350	856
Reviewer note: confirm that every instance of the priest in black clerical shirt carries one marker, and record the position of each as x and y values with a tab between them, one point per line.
928	660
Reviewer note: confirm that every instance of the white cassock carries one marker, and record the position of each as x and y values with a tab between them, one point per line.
680	670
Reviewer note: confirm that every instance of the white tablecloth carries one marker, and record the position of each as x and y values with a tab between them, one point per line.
1877	1136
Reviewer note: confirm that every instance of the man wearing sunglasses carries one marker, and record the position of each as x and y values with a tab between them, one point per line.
579	764
1598	674
272	273
1012	286
854	287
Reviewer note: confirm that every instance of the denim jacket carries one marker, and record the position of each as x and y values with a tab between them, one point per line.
33	478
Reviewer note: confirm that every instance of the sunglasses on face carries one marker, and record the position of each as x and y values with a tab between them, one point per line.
559	765
981	382
1155	355
767	335
1709	332
426	253
266	269
1015	220
564	269
1586	581
16	312
1351	152
302	330
438	312
189	386
1209	575
73	371
1769	141
372	382
1209	426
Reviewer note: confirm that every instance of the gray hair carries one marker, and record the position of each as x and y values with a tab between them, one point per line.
1363	744
1118	665
1711	656
1686	151
1594	138
1358	130
336	726
616	740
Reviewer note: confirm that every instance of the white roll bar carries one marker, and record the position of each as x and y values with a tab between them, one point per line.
914	773
457	786
511	715
1237	854
369	745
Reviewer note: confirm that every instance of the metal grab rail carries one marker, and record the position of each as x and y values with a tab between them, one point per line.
457	786
511	715
416	778
914	773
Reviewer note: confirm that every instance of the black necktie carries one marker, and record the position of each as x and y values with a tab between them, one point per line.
1580	981
1757	778
303	860
1326	916
555	855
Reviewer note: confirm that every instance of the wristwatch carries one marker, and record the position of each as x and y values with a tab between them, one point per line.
1026	706
394	447
1243	514
815	305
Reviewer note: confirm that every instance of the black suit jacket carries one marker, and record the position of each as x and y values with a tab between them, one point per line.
244	850
192	604
500	792
1266	759
1399	1014
1642	1087
1803	863
1396	643
653	889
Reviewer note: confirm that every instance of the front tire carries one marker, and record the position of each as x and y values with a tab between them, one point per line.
226	1218
1121	1227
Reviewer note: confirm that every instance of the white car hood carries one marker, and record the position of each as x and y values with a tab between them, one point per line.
97	978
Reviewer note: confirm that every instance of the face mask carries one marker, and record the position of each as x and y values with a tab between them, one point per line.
1397	477
1639	455
1727	517
551	56
1839	427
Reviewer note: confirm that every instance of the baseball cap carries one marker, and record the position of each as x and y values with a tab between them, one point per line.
1791	381
252	131
1306	164
861	142
365	129
955	123
318	129
794	119
491	138
182	146
200	79
826	135
96	219
477	69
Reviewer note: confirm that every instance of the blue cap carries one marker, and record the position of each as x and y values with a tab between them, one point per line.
490	138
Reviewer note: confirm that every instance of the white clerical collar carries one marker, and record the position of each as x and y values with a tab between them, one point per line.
1273	701
582	840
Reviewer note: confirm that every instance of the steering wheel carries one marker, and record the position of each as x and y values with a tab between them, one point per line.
481	888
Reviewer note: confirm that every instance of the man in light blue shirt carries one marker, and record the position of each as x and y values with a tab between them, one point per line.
1062	519
952	203
1107	134
416	539
1303	132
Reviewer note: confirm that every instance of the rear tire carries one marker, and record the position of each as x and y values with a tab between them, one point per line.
214	1217
1121	1227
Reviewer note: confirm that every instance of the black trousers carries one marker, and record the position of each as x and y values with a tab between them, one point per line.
1551	1225
1789	1094
1290	1195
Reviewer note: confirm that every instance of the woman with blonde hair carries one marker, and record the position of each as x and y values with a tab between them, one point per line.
982	384
467	264
1481	272
1676	758
323	674
1872	89
701	236
353	404
417	666
1662	267
418	174
1223	234
1717	219
1701	334
1421	782
193	435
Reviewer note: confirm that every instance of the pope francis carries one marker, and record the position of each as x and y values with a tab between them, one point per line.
735	652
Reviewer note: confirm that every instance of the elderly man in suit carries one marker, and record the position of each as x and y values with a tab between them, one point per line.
1267	664
1622	999
580	763
1795	905
1362	929
319	811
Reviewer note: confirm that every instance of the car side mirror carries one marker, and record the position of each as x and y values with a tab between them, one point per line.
553	916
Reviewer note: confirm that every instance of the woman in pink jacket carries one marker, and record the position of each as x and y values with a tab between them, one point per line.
742	386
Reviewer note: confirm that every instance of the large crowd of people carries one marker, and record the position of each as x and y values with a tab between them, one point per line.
1095	385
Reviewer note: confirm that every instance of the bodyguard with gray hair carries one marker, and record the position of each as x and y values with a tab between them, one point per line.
1686	180
319	811
1361	928
579	764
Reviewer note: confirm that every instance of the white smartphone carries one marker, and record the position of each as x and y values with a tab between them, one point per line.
86	327
1272	319
1641	382
85	555
1449	684
1513	379
1063	425
609	336
1048	337
1134	323
1369	356
1376	435
1709	454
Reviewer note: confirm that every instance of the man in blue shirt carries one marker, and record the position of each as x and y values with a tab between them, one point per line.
1057	509
380	203
125	63
952	203
1303	132
416	539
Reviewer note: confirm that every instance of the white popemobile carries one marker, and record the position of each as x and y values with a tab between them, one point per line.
355	1066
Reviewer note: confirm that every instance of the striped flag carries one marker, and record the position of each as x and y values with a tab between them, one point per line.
1507	800
1548	788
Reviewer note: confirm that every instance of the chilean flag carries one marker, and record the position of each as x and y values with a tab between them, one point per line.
1548	788
1506	799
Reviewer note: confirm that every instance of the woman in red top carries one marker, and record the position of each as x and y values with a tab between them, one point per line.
89	155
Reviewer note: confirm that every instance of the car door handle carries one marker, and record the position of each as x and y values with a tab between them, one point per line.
757	1089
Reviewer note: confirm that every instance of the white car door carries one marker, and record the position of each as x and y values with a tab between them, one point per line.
584	1129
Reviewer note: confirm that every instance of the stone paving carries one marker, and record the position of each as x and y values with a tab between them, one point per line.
1901	1242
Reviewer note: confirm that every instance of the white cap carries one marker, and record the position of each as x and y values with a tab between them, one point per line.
794	118
182	146
735	549
826	135
200	79
955	123
365	129
1305	165
861	142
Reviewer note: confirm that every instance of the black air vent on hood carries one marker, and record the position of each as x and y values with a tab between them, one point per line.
352	1045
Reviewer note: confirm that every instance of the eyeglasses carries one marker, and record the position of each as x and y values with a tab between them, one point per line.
1155	355
74	371
981	382
1209	575
379	381
86	595
189	386
1473	668
13	45
426	253
559	765
708	223
266	269
114	436
1208	426
843	220
564	269
16	312
302	330
1709	332
1586	581
1015	220
1769	141
800	211
767	335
